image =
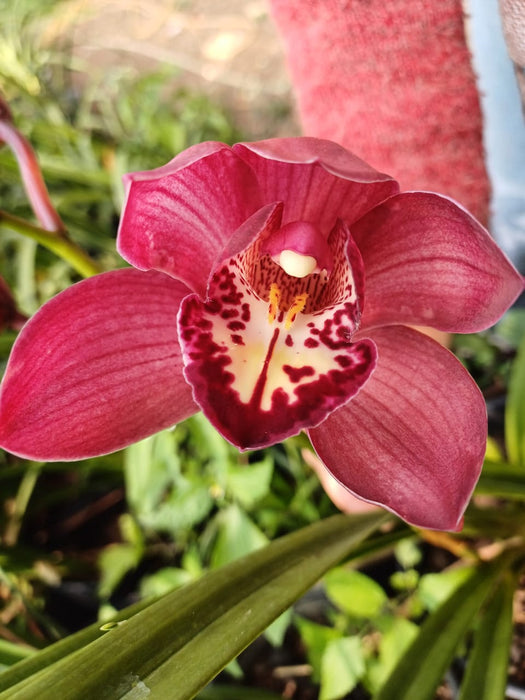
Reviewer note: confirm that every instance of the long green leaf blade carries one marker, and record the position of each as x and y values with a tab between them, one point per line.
423	666
177	644
515	411
486	676
59	650
507	484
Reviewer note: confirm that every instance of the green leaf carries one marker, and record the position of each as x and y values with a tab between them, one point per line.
167	645
487	668
493	452
236	692
146	477
354	593
249	483
11	653
406	580
115	561
276	631
316	637
424	664
506	483
408	553
342	667
396	636
163	581
434	589
237	535
515	410
182	509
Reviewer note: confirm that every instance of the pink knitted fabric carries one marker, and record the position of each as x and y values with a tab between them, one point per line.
392	81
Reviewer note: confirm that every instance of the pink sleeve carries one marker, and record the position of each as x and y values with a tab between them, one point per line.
392	82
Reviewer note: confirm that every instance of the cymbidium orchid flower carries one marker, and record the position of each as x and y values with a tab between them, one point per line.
274	286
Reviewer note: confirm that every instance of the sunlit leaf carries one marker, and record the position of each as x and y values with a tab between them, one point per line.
115	562
493	452
316	637
354	593
342	667
181	510
397	634
163	581
434	589
147	477
408	553
249	483
237	535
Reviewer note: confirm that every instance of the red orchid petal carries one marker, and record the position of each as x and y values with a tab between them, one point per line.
97	368
428	262
317	180
178	218
413	439
261	375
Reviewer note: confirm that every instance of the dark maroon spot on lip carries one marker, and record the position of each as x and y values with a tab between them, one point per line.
246	313
212	306
232	298
229	313
236	326
298	373
311	343
204	324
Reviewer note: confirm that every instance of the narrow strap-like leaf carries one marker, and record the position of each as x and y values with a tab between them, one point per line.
515	411
487	668
507	484
177	644
423	666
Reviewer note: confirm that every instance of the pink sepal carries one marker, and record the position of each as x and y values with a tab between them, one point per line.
97	368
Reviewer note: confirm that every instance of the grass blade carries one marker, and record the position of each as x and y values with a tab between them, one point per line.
486	676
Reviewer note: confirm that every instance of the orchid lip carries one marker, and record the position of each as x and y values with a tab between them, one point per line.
270	352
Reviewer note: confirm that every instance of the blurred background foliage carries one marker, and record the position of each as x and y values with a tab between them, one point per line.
80	541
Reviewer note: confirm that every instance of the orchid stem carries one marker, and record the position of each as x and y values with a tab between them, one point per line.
32	179
57	243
